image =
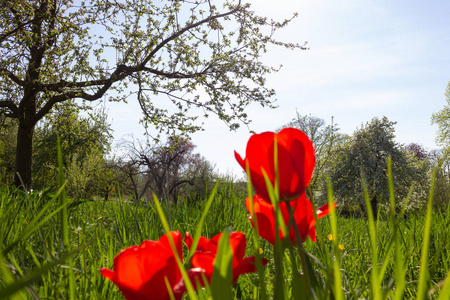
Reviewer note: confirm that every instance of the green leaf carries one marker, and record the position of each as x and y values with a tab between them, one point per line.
200	224
223	273
375	282
19	284
165	224
423	275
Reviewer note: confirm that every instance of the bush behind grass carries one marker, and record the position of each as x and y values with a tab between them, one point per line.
35	263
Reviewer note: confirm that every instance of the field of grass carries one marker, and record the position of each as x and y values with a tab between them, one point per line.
382	261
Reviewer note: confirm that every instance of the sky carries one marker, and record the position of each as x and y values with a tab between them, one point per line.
366	59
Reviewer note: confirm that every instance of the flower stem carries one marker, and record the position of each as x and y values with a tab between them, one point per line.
279	289
301	251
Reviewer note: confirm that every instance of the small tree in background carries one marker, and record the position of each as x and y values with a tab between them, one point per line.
417	150
366	155
324	138
442	119
203	176
167	169
79	174
81	139
440	161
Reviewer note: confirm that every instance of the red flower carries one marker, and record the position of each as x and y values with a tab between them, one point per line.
139	271
206	251
295	162
303	215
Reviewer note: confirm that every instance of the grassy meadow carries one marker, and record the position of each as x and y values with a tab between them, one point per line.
44	257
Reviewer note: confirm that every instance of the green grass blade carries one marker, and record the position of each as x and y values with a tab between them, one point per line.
62	198
445	290
298	285
336	262
223	274
201	223
423	278
259	266
165	224
36	223
375	282
21	283
399	265
279	286
8	278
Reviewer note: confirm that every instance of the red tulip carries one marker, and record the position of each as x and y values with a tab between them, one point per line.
303	215
295	162
140	271
206	251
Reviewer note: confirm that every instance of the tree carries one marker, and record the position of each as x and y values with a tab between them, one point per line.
442	119
203	177
324	138
417	150
421	168
440	161
366	155
95	176
166	169
81	138
58	50
8	136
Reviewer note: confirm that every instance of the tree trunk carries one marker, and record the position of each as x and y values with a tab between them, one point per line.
24	156
374	204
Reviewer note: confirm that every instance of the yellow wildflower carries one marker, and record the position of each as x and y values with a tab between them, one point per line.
259	250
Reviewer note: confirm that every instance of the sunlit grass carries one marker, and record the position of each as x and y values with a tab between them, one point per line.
34	260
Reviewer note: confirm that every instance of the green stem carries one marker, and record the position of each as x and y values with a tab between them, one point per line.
278	260
301	250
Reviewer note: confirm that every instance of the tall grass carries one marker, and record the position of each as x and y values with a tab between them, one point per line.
382	258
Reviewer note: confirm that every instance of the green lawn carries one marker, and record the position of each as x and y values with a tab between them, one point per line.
36	263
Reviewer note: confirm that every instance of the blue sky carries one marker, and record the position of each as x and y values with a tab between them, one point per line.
366	59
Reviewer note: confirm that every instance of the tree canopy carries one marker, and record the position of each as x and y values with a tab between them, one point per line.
199	54
167	170
365	156
80	137
442	119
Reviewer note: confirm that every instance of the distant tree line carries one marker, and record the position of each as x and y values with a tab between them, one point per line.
173	170
346	161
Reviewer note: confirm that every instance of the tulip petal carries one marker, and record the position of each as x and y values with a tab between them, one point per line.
264	214
298	143
260	156
140	272
240	160
248	265
188	240
178	241
238	242
304	218
215	239
195	276
295	161
324	210
131	265
205	261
